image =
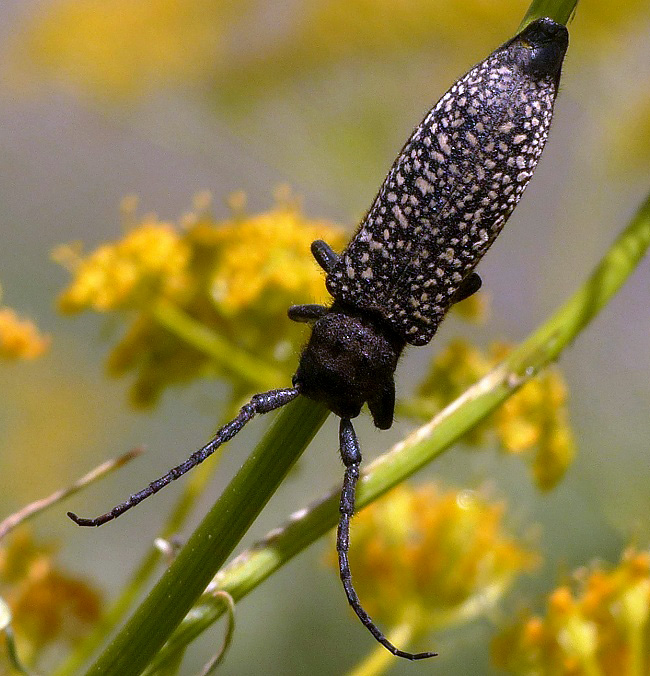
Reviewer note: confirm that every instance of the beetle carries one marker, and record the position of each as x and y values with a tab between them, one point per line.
445	199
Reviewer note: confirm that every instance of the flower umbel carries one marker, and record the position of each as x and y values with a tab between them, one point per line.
535	418
47	604
437	556
19	338
122	49
233	278
149	262
596	626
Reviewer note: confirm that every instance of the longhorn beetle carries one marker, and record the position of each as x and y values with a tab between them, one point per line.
444	201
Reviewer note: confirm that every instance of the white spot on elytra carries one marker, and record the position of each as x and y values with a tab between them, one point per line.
443	140
423	185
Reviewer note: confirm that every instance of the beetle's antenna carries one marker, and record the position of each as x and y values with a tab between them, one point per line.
260	403
351	456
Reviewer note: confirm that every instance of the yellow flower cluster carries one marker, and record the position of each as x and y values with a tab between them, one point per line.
122	48
47	605
434	556
233	278
534	418
451	372
630	151
149	262
597	628
20	338
265	259
473	309
381	26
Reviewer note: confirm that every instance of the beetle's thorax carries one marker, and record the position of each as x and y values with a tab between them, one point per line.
350	359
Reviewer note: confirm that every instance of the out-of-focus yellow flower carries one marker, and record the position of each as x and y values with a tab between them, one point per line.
150	262
234	277
122	48
336	29
265	259
473	309
535	418
627	136
436	556
20	338
451	372
599	625
380	26
47	604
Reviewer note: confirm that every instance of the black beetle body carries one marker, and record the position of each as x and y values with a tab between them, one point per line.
444	201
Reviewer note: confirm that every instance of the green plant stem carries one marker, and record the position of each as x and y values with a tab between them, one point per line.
260	375
232	359
429	441
558	10
211	543
193	487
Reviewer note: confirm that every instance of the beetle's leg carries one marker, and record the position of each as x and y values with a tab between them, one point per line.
259	403
468	287
351	456
324	254
306	313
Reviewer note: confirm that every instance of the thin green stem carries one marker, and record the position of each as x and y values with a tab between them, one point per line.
259	374
232	359
211	543
429	441
559	10
35	508
214	663
192	489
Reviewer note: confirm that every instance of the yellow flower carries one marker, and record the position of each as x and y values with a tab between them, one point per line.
627	135
382	26
149	262
19	338
451	372
533	419
47	604
473	309
234	278
122	48
441	556
265	260
598	625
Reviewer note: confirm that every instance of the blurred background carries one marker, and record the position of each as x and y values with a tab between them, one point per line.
166	99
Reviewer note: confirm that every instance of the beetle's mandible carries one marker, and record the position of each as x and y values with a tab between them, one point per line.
444	201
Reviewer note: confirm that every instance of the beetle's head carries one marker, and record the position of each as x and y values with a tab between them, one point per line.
348	361
540	48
